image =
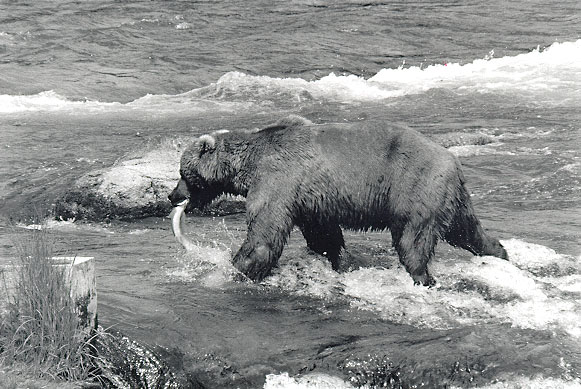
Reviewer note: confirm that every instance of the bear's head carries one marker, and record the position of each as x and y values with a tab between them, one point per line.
204	175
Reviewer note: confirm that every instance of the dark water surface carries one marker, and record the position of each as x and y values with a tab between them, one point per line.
83	85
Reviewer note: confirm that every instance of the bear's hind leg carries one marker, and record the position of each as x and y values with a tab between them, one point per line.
415	247
325	239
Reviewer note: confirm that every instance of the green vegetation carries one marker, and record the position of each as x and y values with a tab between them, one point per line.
39	327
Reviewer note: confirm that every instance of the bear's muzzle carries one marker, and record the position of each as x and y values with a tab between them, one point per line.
179	194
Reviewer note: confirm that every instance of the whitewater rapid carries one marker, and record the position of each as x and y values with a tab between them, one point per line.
549	76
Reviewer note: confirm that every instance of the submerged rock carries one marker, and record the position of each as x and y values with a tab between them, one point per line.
462	139
133	188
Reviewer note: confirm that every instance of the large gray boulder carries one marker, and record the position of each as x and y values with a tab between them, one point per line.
134	187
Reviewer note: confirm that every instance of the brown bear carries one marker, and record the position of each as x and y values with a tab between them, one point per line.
365	176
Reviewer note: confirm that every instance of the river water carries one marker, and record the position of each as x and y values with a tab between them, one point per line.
82	84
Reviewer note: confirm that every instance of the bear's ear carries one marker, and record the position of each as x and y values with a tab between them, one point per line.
206	143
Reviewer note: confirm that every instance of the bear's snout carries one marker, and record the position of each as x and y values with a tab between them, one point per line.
179	194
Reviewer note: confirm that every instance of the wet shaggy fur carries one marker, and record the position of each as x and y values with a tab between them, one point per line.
368	176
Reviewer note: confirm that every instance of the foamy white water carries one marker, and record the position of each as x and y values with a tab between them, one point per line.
309	381
523	291
551	75
323	381
49	101
534	383
556	68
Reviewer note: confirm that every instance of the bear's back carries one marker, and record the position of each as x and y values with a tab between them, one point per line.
353	153
379	143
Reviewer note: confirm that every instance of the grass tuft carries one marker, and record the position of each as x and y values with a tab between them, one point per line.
40	327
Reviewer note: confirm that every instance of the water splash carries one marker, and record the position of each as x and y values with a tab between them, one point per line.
307	276
207	266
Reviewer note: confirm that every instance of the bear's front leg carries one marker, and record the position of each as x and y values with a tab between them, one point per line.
263	245
255	260
269	219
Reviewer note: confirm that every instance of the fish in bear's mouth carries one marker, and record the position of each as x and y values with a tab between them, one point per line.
177	222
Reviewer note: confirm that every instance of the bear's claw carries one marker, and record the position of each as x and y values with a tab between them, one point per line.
424	279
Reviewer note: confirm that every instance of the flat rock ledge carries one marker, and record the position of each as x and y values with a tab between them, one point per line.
132	189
